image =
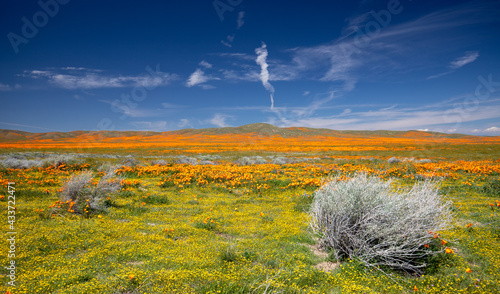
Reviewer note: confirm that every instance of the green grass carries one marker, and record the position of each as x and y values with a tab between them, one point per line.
259	240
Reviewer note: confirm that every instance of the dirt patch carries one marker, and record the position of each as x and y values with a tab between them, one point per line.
318	251
327	266
224	235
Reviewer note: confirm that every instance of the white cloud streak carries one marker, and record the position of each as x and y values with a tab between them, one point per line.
393	118
492	130
466	59
469	57
197	77
81	78
264	73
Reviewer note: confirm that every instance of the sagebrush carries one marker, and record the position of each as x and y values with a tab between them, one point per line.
87	197
368	219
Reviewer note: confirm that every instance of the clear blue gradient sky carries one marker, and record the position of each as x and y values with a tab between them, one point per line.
166	65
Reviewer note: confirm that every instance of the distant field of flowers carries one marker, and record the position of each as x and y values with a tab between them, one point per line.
209	223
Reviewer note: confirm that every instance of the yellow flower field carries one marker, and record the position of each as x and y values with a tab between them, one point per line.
228	228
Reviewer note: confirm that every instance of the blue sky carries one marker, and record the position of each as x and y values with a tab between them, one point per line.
166	65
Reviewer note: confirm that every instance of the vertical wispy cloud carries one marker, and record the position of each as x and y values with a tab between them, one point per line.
264	73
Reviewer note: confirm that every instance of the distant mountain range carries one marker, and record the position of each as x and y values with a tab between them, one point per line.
257	129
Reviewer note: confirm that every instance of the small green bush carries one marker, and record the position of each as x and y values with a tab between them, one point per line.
365	218
492	188
228	254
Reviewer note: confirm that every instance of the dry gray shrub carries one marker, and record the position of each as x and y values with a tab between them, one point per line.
251	160
187	160
16	163
393	160
367	219
80	190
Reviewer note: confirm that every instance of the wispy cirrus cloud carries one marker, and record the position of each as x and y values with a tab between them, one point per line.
6	87
84	78
358	54
28	126
199	77
466	59
469	57
312	107
437	117
134	112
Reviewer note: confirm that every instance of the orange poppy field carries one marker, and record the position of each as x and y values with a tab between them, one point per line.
228	210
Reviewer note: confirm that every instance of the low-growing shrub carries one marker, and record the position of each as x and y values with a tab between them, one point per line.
228	254
280	160
393	160
365	218
65	159
251	160
156	199
187	160
159	162
85	197
492	187
16	163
